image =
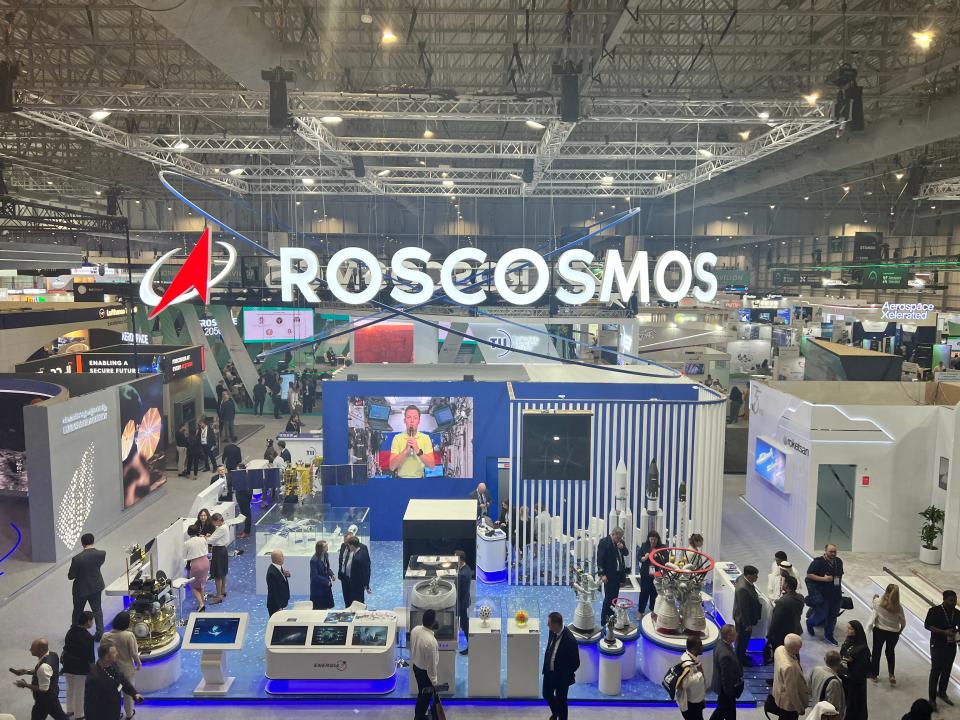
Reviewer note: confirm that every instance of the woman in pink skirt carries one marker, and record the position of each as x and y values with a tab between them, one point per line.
195	552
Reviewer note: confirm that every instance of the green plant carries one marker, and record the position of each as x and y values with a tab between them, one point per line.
932	528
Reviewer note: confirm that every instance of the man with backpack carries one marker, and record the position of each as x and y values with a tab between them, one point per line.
691	688
826	683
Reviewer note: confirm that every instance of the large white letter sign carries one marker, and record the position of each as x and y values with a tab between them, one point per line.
290	256
449	285
660	273
412	275
585	278
365	257
626	282
521	255
700	264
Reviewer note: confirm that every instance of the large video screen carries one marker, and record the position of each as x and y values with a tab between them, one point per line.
142	438
556	446
417	436
771	464
215	631
264	325
13	442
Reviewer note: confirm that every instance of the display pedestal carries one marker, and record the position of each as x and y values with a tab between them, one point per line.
213	666
160	668
628	668
631	590
491	556
611	662
523	658
659	653
483	668
587	672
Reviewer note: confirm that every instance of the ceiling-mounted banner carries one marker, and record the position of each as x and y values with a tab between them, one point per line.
895	277
732	276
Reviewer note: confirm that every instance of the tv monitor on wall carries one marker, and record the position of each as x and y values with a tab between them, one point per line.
376	426
771	464
265	325
557	445
142	438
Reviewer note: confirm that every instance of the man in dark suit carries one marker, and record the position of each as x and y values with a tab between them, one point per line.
727	680
464	576
278	586
357	570
259	396
746	610
228	417
342	558
560	662
785	618
284	453
104	685
232	456
88	581
484	501
207	444
612	568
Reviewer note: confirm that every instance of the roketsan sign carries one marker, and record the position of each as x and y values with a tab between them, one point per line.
300	268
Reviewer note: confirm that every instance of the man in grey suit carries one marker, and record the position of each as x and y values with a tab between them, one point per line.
746	610
484	501
88	581
727	675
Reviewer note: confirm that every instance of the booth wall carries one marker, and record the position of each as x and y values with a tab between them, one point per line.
17	344
387	497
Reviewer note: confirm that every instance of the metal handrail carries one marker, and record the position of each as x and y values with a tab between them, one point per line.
923	597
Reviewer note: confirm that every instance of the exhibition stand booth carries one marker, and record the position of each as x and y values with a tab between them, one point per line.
639	451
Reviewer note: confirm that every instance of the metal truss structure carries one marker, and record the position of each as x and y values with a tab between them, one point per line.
19	214
671	96
946	189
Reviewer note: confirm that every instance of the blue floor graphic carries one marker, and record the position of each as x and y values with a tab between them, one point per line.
247	665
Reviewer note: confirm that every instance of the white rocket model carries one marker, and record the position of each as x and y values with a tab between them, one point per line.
682	536
621	515
654	518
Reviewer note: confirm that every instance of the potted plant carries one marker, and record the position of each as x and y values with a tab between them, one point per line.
930	533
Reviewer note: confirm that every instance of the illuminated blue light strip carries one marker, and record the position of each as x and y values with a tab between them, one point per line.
332	687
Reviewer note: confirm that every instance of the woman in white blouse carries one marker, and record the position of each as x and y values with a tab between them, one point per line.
888	622
195	552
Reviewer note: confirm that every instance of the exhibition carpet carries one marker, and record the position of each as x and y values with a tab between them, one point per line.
247	665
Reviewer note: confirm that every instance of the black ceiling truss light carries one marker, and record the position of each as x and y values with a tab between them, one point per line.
848	107
9	71
277	78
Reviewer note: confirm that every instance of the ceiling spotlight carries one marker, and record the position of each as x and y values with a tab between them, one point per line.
601	212
746	212
331	119
448	183
922	39
773	207
764	115
898	176
365	17
315	212
613	207
236	172
933	207
50	182
98	115
744	135
388	38
428	133
658	178
534	125
169	208
606	180
422	162
181	144
514	176
444	174
308	181
384	172
812	98
806	197
96	192
705	153
136	201
729	217
298	202
846	189
626	198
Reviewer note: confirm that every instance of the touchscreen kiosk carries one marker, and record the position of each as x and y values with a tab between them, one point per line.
214	634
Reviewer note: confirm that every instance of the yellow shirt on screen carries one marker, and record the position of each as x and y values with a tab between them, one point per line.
411	467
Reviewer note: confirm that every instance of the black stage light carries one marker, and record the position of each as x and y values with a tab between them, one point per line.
528	170
8	73
569	73
113	201
278	78
3	182
358	169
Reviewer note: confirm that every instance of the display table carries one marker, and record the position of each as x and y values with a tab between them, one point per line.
523	658
303	446
725	575
160	668
611	663
491	555
659	653
483	669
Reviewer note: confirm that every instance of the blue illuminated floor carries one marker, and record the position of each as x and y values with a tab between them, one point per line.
247	665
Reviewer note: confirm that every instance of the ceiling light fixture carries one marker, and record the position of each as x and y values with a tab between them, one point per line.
806	197
534	125
308	181
236	172
514	176
428	133
744	135
181	144
422	162
922	39
764	115
626	198
384	172
846	189
658	178
606	180
898	176
811	98
388	38
96	192
448	183
331	119
773	207
705	153
98	115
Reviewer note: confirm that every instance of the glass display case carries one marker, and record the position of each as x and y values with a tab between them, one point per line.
296	528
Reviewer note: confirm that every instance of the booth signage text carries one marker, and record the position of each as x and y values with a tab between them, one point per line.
905	311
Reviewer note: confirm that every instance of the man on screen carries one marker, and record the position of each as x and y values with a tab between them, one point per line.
411	451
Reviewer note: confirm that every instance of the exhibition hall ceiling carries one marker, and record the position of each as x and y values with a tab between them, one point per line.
710	101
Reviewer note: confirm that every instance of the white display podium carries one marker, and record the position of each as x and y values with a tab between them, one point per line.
658	653
483	668
611	662
215	634
160	668
491	556
523	658
589	662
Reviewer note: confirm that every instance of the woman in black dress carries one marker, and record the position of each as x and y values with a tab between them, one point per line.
648	593
204	524
321	578
856	659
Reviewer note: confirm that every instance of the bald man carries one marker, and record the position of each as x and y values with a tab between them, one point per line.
278	586
790	690
484	501
44	682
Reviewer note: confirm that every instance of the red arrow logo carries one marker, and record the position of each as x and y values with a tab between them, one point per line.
194	273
